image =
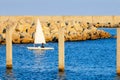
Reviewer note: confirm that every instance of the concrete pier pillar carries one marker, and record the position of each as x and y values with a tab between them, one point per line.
118	51
61	50
8	48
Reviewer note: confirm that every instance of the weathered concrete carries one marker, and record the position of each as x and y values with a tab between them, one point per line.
8	47
61	50
118	51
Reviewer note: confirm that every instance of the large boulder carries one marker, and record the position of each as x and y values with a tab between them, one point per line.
19	28
25	38
103	34
31	30
1	38
16	37
1	29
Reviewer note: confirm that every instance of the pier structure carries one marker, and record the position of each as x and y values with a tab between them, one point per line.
9	47
61	50
118	52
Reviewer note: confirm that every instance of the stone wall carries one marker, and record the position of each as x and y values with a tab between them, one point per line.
24	28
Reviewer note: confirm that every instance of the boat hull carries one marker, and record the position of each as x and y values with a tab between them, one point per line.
39	48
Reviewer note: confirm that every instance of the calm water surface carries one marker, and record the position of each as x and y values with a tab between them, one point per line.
84	60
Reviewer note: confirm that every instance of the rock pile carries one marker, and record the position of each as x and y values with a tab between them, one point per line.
24	30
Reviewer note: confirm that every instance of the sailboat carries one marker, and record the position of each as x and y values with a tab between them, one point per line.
39	38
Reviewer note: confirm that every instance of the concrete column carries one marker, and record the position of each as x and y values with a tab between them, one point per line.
61	50
118	51
8	48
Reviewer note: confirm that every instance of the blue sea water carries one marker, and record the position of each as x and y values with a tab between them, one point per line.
84	60
112	31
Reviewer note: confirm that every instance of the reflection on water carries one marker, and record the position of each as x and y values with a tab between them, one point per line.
117	77
38	60
9	75
38	51
61	75
38	55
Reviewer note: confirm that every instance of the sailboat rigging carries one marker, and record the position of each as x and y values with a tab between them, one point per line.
39	38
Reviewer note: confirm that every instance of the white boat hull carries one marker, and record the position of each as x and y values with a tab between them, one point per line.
39	48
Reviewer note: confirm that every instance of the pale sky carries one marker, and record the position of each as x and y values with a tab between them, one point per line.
59	7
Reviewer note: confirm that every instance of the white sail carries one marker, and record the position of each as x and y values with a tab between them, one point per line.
39	36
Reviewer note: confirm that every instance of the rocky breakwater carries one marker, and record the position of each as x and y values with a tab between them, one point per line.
24	30
106	25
